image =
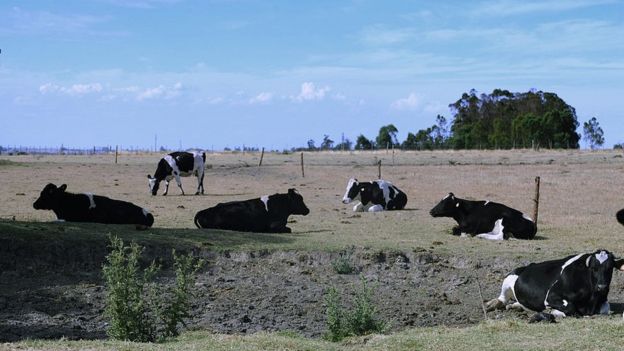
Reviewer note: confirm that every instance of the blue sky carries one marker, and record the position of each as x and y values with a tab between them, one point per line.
274	74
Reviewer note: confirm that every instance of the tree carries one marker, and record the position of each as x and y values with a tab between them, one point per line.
592	133
387	136
311	146
363	143
327	143
345	145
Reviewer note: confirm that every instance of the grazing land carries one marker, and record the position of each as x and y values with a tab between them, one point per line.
49	272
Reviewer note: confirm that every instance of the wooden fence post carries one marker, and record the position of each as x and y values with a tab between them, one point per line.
116	152
536	200
379	169
261	157
302	172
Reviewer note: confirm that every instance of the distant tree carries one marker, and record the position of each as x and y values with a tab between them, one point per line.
424	139
363	143
311	145
387	136
345	145
327	143
592	133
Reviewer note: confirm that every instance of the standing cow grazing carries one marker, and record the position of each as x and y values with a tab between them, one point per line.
485	219
572	286
176	165
374	196
91	208
267	214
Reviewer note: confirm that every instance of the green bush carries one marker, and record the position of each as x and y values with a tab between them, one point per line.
137	308
342	265
360	320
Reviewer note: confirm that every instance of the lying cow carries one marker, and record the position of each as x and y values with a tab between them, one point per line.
176	165
91	208
267	214
572	286
374	196
485	219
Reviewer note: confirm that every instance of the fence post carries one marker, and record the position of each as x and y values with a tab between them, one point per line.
302	171
261	157
116	152
393	154
536	200
379	169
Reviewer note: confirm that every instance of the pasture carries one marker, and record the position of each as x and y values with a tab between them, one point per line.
422	263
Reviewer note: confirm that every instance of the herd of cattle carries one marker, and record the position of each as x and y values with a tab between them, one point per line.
577	285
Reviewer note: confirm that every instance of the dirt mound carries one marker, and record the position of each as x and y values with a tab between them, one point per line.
245	292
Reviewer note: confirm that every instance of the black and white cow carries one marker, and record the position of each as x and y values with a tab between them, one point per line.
267	214
374	196
485	219
176	165
91	208
572	286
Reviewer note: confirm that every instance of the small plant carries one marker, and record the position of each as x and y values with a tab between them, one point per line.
342	265
360	320
137	308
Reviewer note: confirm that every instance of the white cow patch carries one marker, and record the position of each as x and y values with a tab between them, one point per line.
486	202
605	308
496	233
375	208
385	188
508	289
172	163
265	199
527	217
570	261
602	257
145	212
91	201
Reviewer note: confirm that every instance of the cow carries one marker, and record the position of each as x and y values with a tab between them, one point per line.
374	196
620	216
267	214
485	219
577	285
91	208
176	165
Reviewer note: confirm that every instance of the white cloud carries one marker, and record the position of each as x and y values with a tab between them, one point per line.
511	7
379	35
261	98
160	92
310	92
412	102
73	90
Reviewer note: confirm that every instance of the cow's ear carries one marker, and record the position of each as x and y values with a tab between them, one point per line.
63	187
452	196
149	176
619	264
292	191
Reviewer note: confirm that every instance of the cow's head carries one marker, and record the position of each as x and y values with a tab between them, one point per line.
601	265
50	197
446	207
296	203
153	184
353	191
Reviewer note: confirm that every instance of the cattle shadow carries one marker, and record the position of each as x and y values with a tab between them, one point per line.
617	307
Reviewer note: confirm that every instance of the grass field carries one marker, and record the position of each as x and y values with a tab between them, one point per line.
578	201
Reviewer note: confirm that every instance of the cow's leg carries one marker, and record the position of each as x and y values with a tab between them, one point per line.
605	308
506	294
166	187
279	227
179	181
496	233
375	208
358	208
200	182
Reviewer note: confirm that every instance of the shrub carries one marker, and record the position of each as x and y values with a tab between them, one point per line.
360	320
137	308
342	265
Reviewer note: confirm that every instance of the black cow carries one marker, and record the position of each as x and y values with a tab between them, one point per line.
374	196
572	286
485	219
91	208
267	214
176	165
620	216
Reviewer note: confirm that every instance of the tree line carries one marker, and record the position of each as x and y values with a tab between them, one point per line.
499	120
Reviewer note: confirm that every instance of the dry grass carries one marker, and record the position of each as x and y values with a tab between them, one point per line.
578	194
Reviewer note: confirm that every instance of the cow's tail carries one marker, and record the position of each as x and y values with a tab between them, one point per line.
620	216
197	220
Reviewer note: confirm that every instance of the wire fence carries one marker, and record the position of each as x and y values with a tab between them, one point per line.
62	150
